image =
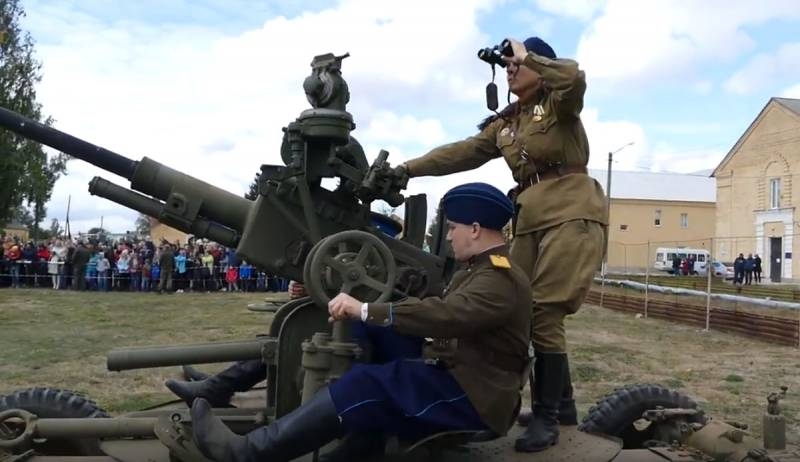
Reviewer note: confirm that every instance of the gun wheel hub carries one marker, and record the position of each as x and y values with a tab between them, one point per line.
354	262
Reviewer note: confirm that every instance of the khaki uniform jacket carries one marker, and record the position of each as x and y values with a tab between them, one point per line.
167	260
481	329
531	142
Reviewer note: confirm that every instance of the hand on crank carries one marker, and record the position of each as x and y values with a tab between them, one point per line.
343	307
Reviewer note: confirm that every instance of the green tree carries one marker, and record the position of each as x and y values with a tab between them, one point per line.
27	172
55	228
252	192
142	225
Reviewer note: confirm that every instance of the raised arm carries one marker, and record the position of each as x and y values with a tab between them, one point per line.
457	157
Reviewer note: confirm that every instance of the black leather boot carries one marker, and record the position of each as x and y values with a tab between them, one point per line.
218	389
542	431
300	432
567	412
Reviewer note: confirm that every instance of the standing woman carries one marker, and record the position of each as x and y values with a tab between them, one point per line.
561	221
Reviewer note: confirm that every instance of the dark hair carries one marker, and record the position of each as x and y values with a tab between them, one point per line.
507	111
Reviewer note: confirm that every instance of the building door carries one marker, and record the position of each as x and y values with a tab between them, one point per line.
775	258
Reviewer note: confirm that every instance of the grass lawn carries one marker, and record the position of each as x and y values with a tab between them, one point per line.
60	339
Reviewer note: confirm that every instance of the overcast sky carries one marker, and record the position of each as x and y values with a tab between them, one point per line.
205	86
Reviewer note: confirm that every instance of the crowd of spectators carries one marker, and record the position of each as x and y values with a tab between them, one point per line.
137	266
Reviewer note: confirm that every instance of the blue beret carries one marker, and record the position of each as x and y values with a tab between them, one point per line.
478	203
540	47
386	224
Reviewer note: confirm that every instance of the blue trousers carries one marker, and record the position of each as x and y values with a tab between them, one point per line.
402	395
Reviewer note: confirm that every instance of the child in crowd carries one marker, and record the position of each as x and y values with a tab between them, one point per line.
245	272
155	274
230	277
146	270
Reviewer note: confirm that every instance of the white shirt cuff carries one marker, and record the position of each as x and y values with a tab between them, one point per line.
364	311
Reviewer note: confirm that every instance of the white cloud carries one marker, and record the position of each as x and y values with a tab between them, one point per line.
610	135
538	24
583	10
388	127
668	159
792	92
212	104
636	42
765	68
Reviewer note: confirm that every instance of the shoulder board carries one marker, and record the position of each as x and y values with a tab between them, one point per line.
500	261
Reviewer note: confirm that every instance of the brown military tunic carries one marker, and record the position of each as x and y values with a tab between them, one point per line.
480	328
561	223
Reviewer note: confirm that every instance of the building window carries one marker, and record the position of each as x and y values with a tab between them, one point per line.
623	227
657	218
775	193
684	220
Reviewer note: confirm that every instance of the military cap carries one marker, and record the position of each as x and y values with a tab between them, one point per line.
386	224
478	203
540	47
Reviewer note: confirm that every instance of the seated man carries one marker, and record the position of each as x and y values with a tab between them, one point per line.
470	380
218	389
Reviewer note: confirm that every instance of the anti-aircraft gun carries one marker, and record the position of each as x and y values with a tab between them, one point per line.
332	242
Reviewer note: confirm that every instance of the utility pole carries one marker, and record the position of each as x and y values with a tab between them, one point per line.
66	220
604	267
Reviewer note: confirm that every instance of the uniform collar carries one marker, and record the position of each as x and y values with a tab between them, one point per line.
528	107
483	257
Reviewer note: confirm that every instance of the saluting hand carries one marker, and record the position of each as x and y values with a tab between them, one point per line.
519	53
343	306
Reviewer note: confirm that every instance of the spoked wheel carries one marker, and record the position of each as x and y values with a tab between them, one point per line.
51	403
354	262
620	414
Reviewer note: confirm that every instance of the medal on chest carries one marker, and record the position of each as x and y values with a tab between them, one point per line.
538	113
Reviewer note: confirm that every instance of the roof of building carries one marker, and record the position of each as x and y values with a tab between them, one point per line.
15	225
789	103
792	104
658	186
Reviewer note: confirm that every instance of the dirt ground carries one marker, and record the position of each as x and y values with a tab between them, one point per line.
60	339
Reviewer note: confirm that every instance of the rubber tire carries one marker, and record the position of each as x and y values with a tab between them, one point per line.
53	403
615	413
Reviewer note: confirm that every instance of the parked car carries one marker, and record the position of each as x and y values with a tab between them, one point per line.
719	270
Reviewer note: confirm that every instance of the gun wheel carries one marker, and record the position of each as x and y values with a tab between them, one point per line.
354	262
52	403
620	414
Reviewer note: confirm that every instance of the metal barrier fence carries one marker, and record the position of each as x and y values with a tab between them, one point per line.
29	274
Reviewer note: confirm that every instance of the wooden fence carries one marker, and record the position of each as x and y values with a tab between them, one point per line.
773	329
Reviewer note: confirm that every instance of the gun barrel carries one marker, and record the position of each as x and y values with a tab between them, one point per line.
160	181
68	144
200	227
122	359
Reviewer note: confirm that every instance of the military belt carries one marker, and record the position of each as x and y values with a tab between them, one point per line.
508	363
549	173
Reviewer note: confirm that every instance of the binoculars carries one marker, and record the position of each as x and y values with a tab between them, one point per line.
494	55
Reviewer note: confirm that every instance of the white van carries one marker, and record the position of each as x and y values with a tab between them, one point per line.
665	255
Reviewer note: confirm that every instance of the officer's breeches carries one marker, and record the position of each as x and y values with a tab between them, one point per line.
561	262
